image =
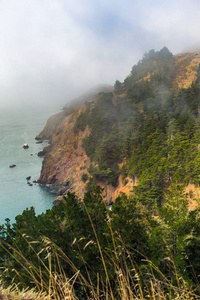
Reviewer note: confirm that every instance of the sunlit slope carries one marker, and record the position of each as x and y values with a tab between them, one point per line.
187	65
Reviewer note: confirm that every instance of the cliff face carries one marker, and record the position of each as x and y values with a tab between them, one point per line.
66	161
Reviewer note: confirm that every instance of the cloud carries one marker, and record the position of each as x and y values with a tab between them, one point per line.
50	51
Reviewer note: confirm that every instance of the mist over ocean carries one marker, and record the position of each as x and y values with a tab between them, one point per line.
16	128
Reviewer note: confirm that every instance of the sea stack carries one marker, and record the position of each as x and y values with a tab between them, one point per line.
12	166
25	146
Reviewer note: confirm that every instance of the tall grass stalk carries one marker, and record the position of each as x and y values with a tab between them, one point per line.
132	282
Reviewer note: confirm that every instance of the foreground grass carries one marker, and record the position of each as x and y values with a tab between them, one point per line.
42	265
51	282
13	293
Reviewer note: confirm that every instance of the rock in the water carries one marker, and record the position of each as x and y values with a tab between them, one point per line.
12	166
28	178
25	146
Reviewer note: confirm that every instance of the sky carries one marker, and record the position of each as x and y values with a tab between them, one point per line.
51	51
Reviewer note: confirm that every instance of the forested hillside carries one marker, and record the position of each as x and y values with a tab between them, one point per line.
146	129
146	126
146	244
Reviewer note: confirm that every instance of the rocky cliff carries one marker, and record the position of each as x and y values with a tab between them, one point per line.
65	161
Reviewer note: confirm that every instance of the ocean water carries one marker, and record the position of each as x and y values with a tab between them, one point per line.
16	128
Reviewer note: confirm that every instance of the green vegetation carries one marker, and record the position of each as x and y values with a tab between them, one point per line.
84	177
147	245
86	241
155	130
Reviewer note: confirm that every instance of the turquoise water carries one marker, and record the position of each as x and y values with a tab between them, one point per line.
17	128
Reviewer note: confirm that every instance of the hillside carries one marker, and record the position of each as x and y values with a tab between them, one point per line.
187	65
133	132
142	138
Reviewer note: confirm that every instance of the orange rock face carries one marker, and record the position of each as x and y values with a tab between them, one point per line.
187	65
66	161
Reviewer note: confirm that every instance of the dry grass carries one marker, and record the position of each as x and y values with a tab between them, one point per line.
13	293
187	65
132	282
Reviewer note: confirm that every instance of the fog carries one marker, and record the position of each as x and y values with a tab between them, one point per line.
52	51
